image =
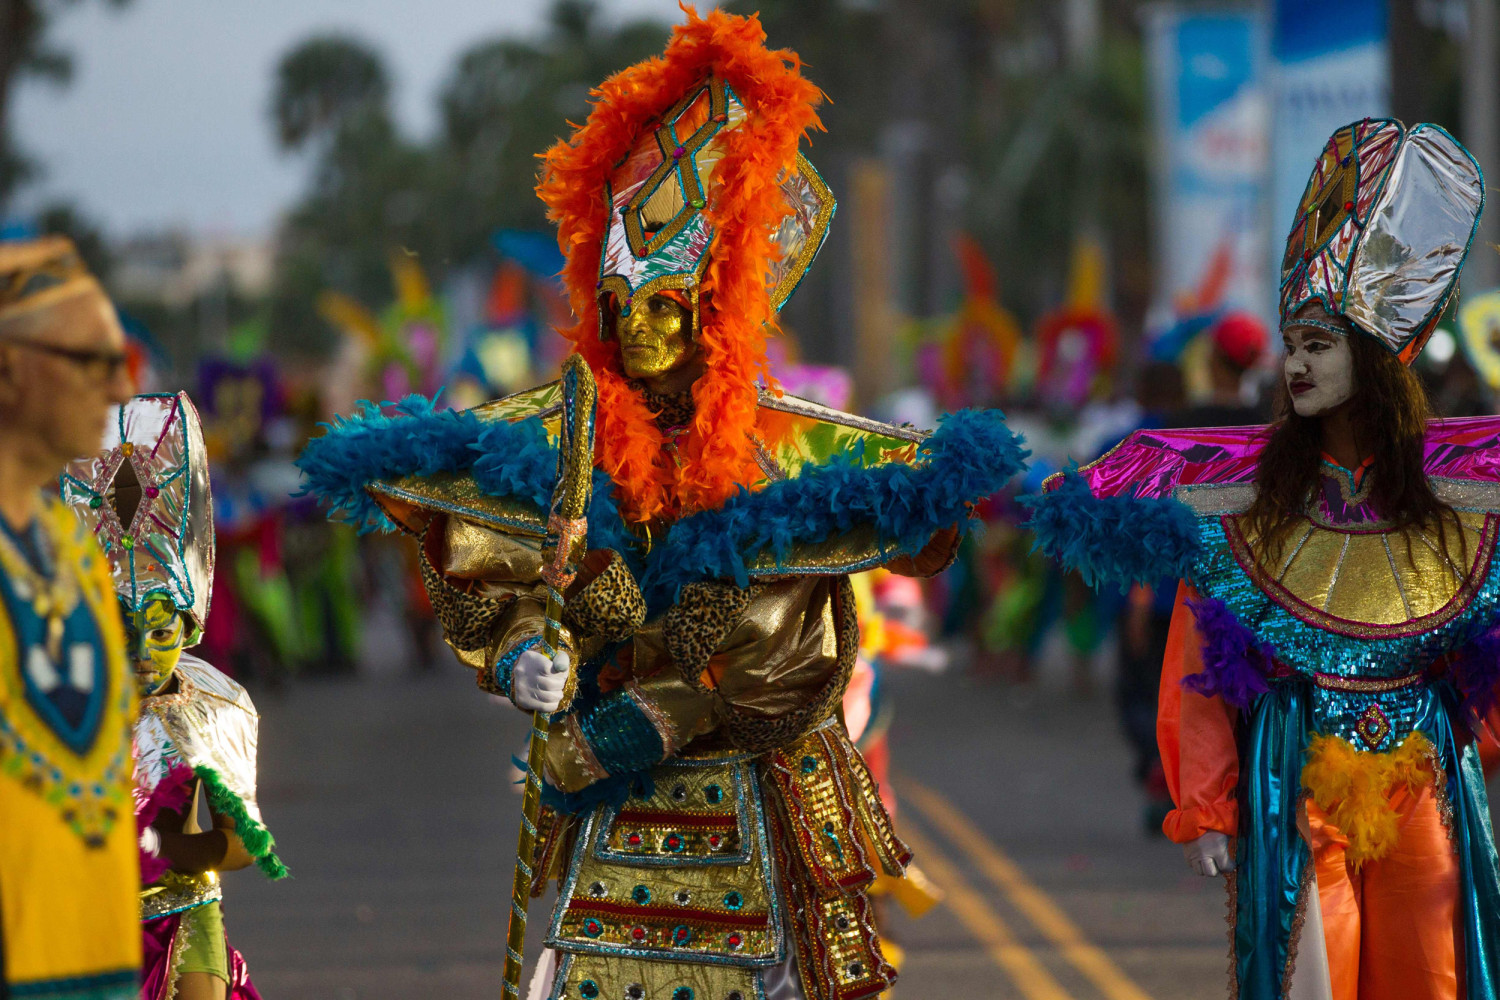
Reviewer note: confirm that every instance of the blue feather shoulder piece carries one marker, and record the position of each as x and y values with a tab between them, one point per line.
841	494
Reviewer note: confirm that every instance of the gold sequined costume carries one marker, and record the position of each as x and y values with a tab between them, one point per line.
711	826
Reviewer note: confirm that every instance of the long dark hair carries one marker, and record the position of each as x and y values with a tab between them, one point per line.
1389	411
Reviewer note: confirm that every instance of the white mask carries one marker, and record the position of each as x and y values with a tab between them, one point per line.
1318	367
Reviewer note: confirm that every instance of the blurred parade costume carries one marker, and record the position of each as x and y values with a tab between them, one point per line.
1077	344
67	846
1318	707
703	787
146	499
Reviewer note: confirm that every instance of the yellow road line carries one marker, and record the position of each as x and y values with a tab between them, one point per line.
986	925
1038	907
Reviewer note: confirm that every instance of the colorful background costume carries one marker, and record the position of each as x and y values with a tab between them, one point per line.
704	788
1347	674
67	849
146	498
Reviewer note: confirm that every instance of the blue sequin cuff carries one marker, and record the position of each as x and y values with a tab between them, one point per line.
496	679
620	736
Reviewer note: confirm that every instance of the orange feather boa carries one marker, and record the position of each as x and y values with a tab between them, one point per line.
718	456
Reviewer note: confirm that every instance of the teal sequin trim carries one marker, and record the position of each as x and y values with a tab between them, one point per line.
622	739
500	674
103	986
1310	650
1376	721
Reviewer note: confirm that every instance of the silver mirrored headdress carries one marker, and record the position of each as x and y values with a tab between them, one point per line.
1382	230
146	497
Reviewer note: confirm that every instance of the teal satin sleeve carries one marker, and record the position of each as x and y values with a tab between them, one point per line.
1479	907
1270	853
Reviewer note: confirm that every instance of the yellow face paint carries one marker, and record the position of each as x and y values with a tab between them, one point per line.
154	637
655	338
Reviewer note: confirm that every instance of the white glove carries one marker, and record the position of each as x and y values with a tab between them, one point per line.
536	683
151	841
1210	854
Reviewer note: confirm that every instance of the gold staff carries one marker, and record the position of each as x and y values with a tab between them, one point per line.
567	530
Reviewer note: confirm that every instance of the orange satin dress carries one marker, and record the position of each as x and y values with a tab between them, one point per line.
1391	927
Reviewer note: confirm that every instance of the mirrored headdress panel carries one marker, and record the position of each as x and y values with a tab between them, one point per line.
658	235
146	497
1383	229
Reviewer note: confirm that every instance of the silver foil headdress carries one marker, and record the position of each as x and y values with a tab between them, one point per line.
146	497
1382	230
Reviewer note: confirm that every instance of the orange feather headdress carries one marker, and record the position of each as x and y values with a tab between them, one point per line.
687	177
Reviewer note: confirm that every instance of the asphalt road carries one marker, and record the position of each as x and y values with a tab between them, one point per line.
391	800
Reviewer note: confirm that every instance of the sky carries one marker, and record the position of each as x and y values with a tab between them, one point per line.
165	123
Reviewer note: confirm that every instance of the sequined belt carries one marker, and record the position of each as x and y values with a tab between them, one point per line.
176	891
1368	685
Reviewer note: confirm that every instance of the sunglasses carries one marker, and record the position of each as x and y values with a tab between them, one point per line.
102	366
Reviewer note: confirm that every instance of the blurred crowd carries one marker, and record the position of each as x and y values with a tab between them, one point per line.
295	594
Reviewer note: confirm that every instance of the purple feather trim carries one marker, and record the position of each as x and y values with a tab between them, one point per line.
172	793
1475	671
1235	663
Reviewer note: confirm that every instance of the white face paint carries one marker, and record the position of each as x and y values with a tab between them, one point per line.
1318	367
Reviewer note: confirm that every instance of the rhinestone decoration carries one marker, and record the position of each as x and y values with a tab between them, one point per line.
1373	727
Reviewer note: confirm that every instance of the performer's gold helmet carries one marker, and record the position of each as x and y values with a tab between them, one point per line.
687	179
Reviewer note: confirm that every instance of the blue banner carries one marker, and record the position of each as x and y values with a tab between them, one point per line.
1210	102
1331	68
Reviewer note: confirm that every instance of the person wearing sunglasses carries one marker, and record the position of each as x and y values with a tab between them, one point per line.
69	864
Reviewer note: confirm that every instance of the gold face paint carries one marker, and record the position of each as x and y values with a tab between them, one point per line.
655	338
154	637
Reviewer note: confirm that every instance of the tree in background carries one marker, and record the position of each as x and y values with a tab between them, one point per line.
991	115
24	52
375	192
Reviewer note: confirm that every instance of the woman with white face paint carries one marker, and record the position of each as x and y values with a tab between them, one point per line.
1335	642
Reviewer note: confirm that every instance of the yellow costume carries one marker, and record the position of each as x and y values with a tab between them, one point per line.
69	867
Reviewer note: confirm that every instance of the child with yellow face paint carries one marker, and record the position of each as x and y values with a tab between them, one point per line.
146	499
154	636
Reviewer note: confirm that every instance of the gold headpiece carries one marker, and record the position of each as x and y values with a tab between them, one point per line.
40	272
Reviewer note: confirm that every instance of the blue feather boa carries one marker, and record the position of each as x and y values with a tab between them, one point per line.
970	457
1118	540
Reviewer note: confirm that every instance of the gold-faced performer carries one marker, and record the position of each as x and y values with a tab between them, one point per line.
145	497
68	869
702	788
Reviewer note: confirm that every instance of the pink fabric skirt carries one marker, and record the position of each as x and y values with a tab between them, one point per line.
162	946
